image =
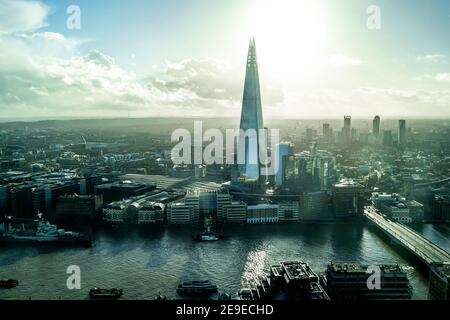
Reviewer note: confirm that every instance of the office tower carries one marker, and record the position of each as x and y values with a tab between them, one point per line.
74	208
347	122
281	151
388	140
44	196
346	131
20	201
348	200
315	206
251	118
376	126
402	133
309	171
325	129
327	132
88	184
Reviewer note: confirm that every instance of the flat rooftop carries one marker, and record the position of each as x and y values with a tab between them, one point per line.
355	267
346	267
297	270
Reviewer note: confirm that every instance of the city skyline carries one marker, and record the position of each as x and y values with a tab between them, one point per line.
317	59
144	157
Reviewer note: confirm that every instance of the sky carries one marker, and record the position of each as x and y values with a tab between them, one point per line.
150	58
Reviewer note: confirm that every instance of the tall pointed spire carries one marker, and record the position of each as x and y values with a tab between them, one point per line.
251	116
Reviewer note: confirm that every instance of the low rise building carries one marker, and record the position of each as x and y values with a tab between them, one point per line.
263	213
315	206
121	190
235	212
150	212
288	211
78	209
117	212
398	208
439	285
180	213
349	281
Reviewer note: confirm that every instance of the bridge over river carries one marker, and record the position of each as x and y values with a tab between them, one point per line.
422	248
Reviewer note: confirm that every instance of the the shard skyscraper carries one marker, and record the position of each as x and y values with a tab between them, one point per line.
251	118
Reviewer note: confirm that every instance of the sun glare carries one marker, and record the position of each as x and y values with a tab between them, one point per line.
289	35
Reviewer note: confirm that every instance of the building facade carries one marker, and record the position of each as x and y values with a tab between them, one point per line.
251	118
439	286
263	213
348	200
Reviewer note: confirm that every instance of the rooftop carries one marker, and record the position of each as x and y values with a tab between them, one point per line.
297	270
348	183
355	267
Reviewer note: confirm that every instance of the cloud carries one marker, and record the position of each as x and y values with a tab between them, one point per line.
21	16
431	57
211	80
36	83
44	74
443	77
365	101
440	77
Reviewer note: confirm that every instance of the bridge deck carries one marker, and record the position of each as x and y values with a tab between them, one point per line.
413	241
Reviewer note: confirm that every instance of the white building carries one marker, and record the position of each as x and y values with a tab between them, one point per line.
235	212
222	199
180	213
263	213
193	200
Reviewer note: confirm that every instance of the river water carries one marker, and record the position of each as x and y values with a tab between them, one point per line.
145	263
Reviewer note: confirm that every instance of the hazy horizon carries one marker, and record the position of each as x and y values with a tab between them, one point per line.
194	118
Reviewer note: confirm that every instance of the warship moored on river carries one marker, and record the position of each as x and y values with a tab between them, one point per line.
39	231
